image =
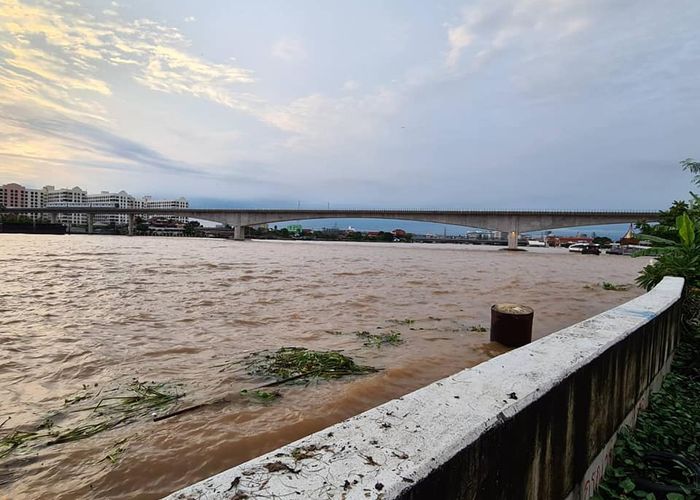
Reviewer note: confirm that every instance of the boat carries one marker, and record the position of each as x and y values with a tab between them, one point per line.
578	247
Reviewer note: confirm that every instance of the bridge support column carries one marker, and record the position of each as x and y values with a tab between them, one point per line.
513	240
54	218
91	223
132	222
239	233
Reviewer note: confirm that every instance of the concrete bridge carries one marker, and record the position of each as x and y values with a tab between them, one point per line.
512	222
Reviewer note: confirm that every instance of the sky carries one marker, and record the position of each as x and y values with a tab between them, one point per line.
495	104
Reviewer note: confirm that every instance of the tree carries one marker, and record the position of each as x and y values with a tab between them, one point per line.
693	167
673	258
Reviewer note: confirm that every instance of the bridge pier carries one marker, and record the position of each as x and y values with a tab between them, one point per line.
513	240
132	221
239	233
54	218
91	224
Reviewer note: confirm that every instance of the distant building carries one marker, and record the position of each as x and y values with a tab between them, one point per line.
66	198
122	199
17	196
179	203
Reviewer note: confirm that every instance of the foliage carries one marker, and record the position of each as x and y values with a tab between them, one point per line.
478	328
670	424
101	413
615	288
15	219
298	363
693	167
673	258
261	395
391	337
602	241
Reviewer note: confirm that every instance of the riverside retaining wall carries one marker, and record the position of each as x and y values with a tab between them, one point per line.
537	422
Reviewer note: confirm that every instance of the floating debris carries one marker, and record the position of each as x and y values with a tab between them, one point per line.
116	452
478	328
391	337
16	439
139	400
614	287
299	364
261	396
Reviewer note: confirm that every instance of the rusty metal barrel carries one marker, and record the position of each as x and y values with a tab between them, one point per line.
511	324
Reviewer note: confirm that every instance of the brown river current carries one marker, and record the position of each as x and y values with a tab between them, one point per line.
85	314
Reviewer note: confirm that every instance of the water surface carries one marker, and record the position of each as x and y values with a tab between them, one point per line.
98	311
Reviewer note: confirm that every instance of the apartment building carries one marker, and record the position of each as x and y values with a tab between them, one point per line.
122	199
17	196
66	198
181	203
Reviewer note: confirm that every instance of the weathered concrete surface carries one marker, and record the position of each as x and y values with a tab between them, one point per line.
526	424
511	221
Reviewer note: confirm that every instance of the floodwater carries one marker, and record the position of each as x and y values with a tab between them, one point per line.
88	314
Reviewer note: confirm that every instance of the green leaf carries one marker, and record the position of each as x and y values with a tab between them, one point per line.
656	239
674	496
686	229
627	485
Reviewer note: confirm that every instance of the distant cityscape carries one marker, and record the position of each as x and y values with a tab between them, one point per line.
17	196
14	195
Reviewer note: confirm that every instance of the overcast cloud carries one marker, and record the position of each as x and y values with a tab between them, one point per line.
484	104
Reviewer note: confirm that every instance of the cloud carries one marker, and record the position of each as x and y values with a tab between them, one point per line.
64	55
458	38
351	85
289	50
37	137
320	123
190	19
486	28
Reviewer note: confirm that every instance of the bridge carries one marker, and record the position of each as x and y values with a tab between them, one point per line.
512	222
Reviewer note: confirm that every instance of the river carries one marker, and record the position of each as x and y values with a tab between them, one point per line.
87	315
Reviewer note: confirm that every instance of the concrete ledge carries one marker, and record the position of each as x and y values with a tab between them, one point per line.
526	424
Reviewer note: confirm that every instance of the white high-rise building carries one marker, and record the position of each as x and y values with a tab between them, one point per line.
67	198
17	196
179	203
122	199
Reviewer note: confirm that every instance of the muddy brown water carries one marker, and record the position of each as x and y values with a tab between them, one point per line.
102	310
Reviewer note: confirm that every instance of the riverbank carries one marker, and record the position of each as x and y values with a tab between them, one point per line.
642	466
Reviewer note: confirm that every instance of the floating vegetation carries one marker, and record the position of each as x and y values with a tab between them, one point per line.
261	395
614	287
14	440
297	363
391	337
117	451
102	413
478	328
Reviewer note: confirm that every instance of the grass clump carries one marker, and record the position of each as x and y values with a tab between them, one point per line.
615	288
391	337
297	363
261	396
15	439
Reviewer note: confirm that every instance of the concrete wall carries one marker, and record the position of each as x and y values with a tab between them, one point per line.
527	424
